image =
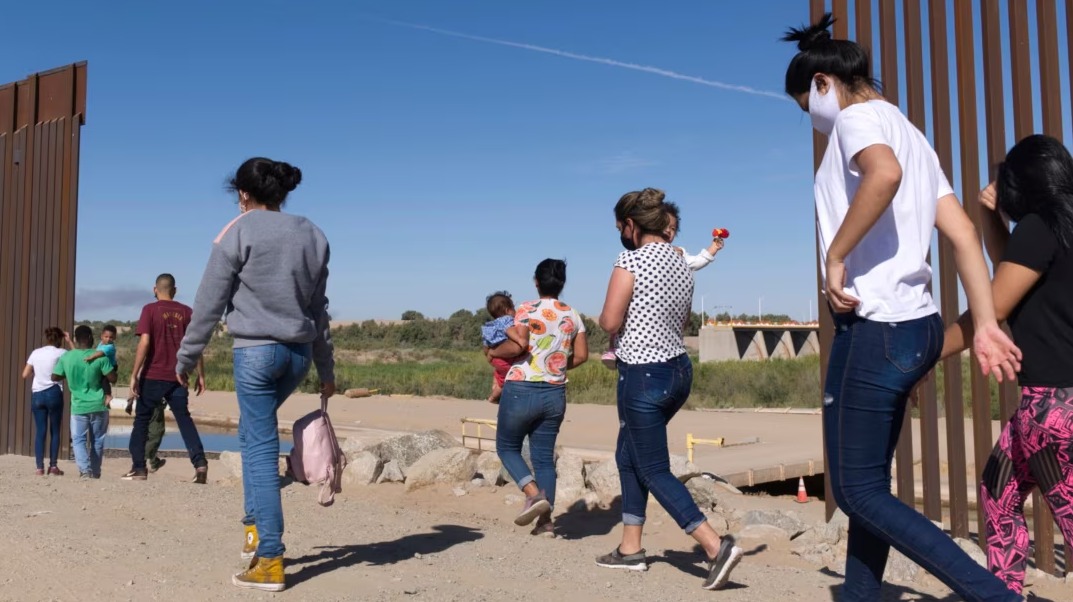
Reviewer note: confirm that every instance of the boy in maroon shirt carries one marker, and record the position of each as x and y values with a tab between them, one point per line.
160	330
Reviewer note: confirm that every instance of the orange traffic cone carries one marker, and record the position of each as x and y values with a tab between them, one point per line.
802	495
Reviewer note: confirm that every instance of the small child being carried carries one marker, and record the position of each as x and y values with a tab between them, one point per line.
694	262
497	331
106	349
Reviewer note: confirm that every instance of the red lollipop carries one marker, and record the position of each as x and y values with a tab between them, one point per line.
720	233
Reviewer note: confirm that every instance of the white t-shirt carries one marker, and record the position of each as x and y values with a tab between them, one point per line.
888	270
44	361
662	299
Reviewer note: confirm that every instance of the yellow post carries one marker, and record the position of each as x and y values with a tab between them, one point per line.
692	441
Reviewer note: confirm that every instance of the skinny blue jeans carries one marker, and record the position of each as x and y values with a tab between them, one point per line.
536	410
47	408
873	368
265	376
649	396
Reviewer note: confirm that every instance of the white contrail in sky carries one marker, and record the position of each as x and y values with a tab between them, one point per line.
591	59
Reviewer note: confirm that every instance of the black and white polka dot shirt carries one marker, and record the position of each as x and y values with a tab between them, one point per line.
662	300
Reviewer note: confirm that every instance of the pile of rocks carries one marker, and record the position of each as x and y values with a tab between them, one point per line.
421	459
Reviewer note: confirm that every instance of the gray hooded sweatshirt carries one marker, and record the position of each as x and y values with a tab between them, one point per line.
267	274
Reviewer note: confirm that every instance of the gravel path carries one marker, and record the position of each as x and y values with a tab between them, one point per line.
167	539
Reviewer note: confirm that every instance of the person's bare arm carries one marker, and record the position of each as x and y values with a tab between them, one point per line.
514	333
881	176
509	348
716	246
1012	282
199	387
617	301
581	351
93	356
27	371
112	376
996	230
994	350
139	359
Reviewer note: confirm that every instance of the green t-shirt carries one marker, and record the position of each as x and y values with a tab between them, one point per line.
84	379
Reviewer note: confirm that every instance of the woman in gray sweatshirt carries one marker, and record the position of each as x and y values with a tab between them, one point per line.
267	274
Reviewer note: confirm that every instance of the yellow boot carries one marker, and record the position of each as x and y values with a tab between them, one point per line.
249	549
265	574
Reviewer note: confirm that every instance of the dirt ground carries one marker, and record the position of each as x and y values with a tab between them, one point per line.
168	539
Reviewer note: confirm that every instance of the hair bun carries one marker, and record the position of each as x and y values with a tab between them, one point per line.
288	175
650	197
812	36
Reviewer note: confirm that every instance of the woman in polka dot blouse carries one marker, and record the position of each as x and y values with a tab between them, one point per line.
648	303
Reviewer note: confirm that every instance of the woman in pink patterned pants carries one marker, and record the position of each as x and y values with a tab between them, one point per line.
1032	288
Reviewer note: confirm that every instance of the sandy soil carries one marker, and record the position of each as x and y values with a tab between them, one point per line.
166	538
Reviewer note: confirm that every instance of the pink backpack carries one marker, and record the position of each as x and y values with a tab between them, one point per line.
316	457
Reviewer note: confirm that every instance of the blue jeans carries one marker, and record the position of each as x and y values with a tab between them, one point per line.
873	368
89	428
536	410
47	408
152	393
265	376
649	395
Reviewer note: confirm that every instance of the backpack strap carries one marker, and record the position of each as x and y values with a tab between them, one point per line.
334	483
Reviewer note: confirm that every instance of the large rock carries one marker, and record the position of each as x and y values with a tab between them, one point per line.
448	465
232	461
407	449
363	469
588	502
704	493
604	480
973	550
820	554
837	528
764	533
719	523
570	479
683	469
787	521
353	446
900	569
391	473
488	466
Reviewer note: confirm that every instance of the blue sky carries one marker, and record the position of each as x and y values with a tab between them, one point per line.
441	167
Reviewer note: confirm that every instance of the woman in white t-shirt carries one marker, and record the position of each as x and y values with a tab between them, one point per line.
879	193
46	399
649	301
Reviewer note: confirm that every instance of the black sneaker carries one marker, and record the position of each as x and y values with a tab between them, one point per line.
155	466
136	475
201	475
631	562
535	507
719	568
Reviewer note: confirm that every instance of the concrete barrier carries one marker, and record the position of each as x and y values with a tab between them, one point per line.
757	342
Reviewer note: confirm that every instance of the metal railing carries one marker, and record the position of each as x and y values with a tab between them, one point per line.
480	422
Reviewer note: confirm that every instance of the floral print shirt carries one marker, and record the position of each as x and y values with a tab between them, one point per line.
552	325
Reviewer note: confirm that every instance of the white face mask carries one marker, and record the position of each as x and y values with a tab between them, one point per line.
823	108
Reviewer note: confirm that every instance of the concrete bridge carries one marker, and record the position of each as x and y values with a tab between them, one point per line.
758	341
